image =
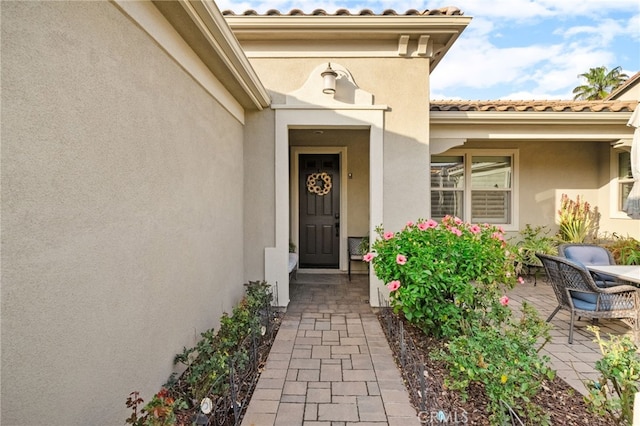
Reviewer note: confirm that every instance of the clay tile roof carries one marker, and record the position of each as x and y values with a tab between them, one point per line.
449	10
534	105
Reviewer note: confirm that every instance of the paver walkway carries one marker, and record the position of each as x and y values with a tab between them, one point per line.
330	364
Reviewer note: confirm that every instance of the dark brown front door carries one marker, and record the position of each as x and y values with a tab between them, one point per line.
319	210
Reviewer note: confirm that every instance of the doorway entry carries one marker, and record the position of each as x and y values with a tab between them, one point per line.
319	210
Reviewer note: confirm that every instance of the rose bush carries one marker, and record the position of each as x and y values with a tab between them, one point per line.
442	274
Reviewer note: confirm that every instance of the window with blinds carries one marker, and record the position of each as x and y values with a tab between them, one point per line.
476	188
625	178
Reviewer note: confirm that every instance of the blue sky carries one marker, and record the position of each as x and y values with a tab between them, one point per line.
513	49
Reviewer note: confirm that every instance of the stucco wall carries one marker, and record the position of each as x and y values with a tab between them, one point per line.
400	83
547	169
259	189
122	223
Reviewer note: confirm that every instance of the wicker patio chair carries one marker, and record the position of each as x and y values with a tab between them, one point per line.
578	293
591	254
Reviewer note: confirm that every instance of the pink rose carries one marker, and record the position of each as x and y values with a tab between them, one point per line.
368	257
521	280
393	285
401	259
387	236
456	231
504	300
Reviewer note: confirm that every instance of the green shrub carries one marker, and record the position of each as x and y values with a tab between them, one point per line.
532	240
207	364
625	250
577	220
502	356
442	275
612	395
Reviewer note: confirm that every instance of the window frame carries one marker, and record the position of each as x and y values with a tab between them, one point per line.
615	195
467	189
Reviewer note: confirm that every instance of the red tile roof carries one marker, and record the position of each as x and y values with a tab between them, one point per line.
449	10
538	106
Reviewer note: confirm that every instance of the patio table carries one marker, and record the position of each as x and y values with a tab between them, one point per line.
630	273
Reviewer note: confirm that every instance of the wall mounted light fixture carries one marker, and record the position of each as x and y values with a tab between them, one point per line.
329	77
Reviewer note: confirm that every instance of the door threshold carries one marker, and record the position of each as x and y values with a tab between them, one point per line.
320	271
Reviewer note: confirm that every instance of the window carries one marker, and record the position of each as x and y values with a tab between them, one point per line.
625	179
474	186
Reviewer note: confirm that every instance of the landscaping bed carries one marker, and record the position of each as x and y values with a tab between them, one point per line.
564	404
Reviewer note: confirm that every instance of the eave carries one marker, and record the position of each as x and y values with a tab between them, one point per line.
434	35
202	25
528	117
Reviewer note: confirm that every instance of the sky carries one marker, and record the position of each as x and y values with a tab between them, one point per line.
512	49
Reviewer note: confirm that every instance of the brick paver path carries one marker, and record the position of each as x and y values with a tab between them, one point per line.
330	364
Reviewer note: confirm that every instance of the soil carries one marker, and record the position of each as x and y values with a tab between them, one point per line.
564	404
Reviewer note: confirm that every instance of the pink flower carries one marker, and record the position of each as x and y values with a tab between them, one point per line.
401	259
475	229
500	228
497	236
368	257
393	285
422	226
504	300
409	224
432	223
457	220
388	235
521	280
456	231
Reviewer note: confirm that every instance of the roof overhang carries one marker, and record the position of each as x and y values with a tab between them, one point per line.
529	117
427	36
202	26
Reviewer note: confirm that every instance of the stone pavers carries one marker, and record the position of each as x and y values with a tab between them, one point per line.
574	363
330	364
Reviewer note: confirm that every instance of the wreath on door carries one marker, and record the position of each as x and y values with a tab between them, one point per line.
319	183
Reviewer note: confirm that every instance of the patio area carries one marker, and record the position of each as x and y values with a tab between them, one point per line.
573	362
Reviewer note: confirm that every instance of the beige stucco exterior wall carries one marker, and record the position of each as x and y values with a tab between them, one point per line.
259	190
400	83
122	227
574	168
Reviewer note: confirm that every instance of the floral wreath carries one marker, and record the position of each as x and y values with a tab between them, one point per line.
319	183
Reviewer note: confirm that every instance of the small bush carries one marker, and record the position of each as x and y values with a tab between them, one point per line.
208	363
577	220
612	395
503	358
625	250
443	274
532	240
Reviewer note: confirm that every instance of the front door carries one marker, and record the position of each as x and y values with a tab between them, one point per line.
319	210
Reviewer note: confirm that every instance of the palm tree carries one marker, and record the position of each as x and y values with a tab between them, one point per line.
600	83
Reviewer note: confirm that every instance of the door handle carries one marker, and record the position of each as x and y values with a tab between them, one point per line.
337	229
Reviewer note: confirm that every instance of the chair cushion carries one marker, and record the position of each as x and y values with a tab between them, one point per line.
591	255
583	305
587	255
585	297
